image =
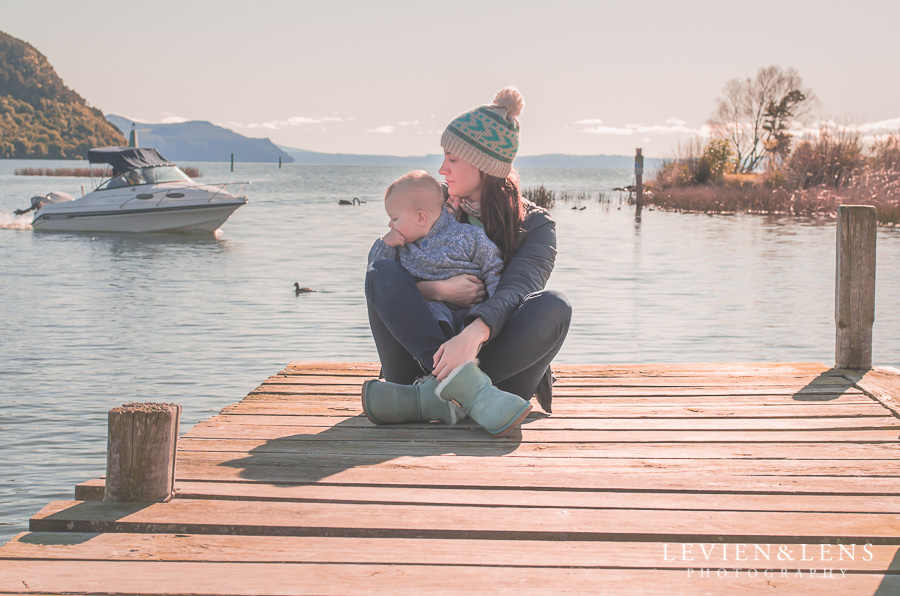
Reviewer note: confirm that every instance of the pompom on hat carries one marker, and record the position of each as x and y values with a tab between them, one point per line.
487	137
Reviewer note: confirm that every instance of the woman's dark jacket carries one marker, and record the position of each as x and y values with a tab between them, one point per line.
526	272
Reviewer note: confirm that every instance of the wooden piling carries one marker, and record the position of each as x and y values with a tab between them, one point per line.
279	162
854	296
232	162
638	180
140	458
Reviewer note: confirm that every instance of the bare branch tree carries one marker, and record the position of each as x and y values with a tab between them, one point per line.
754	115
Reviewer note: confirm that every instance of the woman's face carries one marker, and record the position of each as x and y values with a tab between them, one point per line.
463	179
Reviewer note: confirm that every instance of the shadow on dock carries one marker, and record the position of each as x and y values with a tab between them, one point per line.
828	386
357	443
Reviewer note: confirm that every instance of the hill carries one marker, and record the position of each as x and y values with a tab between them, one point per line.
198	140
41	118
556	160
360	159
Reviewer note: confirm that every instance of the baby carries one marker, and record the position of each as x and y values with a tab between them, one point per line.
431	244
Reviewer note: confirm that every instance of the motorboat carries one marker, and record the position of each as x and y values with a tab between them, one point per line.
144	193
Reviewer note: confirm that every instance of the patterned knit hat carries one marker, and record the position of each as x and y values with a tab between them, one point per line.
487	137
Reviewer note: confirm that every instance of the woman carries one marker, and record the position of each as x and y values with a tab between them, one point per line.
515	333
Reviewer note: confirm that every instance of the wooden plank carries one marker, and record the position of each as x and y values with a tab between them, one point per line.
782	380
244	470
500	465
572	407
564	370
698	451
561	410
880	383
528	435
399	551
599	403
796	392
536	422
291	579
833	383
187	516
531	498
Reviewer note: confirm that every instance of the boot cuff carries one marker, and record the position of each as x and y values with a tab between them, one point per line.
451	376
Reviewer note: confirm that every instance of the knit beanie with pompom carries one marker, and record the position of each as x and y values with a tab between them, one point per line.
487	137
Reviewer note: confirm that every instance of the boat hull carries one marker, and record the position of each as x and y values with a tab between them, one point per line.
207	217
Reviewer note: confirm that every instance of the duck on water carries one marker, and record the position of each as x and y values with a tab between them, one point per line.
144	193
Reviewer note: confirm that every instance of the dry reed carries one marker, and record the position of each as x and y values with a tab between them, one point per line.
879	188
70	172
543	197
822	173
87	172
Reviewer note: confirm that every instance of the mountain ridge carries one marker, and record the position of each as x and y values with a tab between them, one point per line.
200	140
554	160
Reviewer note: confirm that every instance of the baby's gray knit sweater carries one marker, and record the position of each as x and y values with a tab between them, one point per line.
450	248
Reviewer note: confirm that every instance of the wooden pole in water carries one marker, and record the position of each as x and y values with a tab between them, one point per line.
140	456
854	292
279	162
232	162
639	179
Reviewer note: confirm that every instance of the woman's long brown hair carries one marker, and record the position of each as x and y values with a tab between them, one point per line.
502	211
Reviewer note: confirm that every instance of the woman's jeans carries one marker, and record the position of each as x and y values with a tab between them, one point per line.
407	334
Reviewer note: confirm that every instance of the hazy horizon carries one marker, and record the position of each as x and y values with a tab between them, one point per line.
380	79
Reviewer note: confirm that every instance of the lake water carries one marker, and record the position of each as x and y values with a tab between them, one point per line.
91	321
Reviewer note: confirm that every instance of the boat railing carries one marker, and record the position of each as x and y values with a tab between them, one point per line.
167	191
223	185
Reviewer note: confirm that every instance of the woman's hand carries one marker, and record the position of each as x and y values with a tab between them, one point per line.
460	349
463	291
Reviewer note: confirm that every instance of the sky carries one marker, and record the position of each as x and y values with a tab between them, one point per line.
386	77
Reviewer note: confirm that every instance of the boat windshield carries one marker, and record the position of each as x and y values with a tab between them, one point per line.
148	175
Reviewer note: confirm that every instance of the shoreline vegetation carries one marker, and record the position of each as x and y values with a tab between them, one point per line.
88	172
546	198
832	169
751	161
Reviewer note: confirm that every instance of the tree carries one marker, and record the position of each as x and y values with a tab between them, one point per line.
719	158
776	123
755	115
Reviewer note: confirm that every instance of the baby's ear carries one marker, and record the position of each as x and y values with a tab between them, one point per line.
421	217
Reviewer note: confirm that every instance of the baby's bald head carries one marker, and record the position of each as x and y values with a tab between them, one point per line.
420	191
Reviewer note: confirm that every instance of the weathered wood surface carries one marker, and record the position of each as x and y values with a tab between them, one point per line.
854	300
697	501
882	383
141	452
292	579
189	516
387	551
644	476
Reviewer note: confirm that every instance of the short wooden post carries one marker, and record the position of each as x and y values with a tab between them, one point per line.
140	456
854	292
638	180
232	162
279	162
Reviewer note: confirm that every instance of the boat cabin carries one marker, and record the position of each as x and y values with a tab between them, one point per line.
135	166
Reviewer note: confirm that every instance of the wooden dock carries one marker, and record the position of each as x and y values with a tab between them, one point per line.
674	479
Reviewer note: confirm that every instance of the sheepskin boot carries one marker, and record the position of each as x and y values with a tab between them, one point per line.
391	403
495	410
